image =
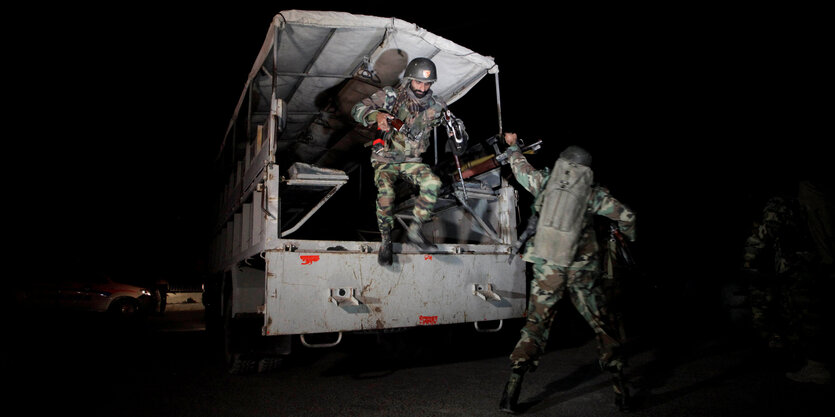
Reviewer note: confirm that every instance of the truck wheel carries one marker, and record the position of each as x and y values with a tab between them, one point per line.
234	363
269	364
239	365
239	360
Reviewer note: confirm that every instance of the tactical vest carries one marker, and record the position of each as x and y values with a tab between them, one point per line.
561	207
419	117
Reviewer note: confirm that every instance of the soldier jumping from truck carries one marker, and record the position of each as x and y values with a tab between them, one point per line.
405	117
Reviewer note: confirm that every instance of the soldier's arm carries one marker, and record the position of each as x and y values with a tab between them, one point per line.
754	245
604	204
528	177
762	234
365	112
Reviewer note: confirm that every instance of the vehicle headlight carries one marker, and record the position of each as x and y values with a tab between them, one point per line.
144	292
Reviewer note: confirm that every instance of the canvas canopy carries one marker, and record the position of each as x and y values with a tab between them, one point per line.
307	54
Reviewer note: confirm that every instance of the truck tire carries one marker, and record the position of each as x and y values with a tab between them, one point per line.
240	337
245	349
239	365
268	364
235	363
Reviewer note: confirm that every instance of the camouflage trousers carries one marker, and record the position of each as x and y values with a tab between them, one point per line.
549	285
773	312
792	311
416	173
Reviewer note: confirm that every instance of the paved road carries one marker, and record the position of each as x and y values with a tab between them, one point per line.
163	367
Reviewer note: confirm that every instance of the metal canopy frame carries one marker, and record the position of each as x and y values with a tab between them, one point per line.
324	40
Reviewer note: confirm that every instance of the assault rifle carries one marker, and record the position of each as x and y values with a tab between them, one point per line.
378	144
621	248
529	231
501	157
489	162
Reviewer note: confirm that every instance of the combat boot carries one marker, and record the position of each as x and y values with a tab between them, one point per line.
621	392
510	396
414	234
385	254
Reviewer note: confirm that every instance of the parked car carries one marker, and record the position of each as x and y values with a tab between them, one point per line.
90	292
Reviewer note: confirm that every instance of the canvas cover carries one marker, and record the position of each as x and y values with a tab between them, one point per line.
318	52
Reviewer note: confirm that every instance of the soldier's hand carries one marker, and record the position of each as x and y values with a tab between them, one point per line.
383	121
510	138
378	147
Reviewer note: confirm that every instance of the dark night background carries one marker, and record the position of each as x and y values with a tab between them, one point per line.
693	116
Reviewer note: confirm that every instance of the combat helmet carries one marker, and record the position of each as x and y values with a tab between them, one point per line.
421	69
576	155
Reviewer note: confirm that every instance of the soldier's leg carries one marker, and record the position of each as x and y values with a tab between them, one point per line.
808	313
422	176
546	289
589	300
384	177
765	312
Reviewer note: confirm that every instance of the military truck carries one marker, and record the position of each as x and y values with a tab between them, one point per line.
295	246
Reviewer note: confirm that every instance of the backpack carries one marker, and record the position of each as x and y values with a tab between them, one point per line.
561	207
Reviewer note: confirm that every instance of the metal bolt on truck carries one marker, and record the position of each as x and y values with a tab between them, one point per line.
295	247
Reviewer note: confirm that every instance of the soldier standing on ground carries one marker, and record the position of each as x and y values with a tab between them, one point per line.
566	260
789	261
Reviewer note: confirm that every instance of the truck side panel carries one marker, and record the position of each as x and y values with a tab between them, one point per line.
329	291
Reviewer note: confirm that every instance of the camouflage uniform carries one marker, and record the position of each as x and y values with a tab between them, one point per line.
790	275
401	155
579	279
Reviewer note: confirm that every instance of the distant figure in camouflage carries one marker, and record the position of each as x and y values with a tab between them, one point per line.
397	153
789	259
566	260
